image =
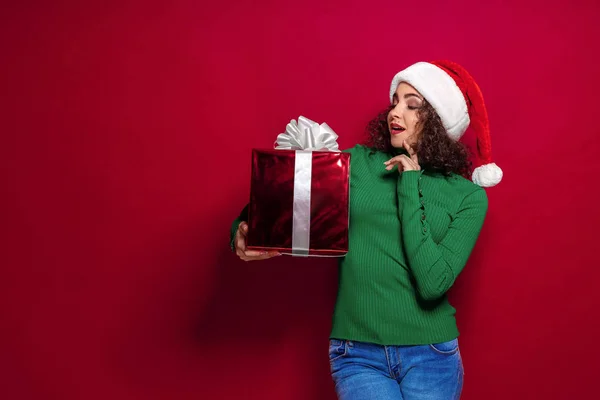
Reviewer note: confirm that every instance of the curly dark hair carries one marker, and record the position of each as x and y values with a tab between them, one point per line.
435	149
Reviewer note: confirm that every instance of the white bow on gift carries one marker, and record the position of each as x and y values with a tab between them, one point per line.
307	135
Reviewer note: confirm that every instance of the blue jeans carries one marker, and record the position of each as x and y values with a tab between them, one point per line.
366	371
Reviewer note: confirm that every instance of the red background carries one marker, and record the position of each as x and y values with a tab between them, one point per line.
126	137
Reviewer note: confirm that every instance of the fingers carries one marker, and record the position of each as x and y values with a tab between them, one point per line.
392	161
240	241
411	152
402	161
252	255
249	255
240	236
243	227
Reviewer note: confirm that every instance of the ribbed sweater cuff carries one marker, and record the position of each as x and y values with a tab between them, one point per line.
414	210
421	250
234	228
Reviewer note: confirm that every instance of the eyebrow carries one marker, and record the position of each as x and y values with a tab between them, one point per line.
408	95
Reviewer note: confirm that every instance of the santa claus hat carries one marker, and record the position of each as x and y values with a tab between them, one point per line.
457	99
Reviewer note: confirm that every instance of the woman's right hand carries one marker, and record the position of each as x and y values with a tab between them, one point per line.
243	252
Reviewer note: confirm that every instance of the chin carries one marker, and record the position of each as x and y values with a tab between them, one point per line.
397	141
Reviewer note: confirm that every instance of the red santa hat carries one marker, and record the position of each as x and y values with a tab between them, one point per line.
457	99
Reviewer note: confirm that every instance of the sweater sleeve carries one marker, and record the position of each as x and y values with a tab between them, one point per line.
234	226
436	266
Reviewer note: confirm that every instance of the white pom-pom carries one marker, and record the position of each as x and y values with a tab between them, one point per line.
487	175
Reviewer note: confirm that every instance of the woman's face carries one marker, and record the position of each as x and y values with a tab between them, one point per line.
402	118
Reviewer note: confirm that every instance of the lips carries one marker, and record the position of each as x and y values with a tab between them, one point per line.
396	129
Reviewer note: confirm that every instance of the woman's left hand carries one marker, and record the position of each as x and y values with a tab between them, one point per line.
404	162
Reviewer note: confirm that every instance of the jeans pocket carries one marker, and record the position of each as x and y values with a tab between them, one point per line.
447	348
337	349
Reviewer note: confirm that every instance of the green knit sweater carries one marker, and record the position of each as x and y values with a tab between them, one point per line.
410	236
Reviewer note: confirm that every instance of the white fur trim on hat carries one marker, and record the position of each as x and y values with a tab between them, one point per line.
487	175
440	90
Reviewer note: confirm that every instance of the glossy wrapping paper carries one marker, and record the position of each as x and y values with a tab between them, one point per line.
272	202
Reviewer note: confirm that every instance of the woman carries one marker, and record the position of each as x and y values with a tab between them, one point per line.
414	219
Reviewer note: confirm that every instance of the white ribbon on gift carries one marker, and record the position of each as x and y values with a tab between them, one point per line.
307	135
304	136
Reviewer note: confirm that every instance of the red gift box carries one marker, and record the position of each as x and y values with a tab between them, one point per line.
299	202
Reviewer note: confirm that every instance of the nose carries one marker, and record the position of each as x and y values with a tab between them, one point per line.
394	111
